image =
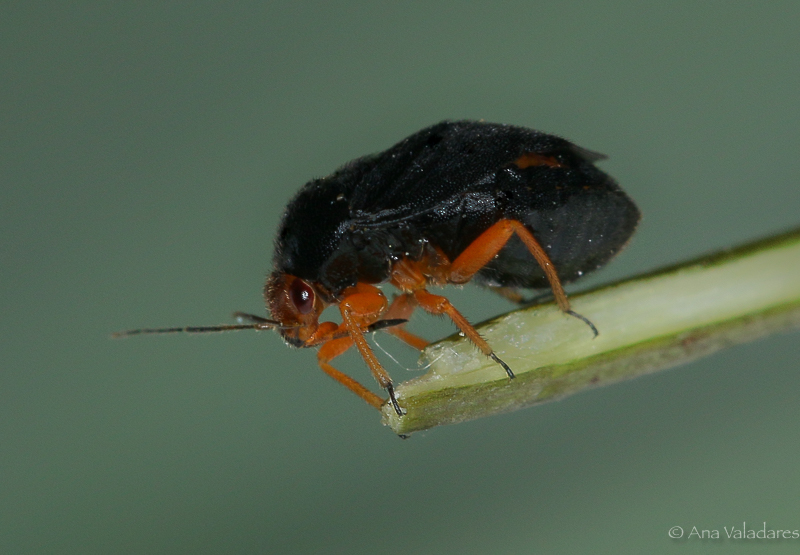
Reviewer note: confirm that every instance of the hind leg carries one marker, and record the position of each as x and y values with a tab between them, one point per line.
491	241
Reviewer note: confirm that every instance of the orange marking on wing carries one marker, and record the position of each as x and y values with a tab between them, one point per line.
530	159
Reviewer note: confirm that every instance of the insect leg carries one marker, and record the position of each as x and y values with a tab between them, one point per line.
364	305
550	271
410	277
437	304
333	349
491	241
401	308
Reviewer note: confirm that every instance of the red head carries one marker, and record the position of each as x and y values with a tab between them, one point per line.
296	305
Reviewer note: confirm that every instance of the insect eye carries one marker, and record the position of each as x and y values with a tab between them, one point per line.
302	296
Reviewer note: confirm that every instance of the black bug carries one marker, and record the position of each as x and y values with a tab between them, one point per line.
509	207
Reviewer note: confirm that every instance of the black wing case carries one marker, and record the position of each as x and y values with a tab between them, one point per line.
452	181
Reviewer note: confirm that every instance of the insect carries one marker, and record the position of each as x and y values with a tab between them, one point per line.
507	207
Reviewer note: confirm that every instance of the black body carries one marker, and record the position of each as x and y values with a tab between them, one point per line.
445	185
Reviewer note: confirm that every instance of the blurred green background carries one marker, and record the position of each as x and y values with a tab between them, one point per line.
147	151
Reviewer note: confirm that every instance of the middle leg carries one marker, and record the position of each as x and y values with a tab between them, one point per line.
437	304
401	308
410	277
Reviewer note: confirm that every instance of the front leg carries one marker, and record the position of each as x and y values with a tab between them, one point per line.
361	306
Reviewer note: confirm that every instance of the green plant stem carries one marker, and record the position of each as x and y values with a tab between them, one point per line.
647	323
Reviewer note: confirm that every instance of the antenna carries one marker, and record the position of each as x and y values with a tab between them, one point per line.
257	323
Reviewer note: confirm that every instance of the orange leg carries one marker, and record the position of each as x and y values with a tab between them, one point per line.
333	349
491	241
363	305
411	278
402	306
437	304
